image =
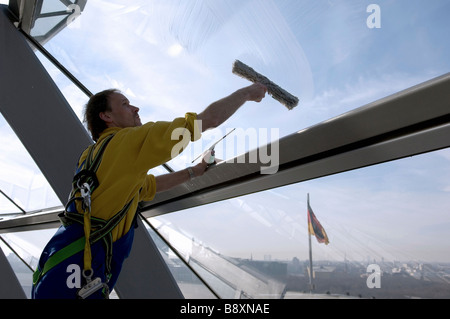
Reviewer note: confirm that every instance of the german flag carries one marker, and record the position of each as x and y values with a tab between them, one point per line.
315	228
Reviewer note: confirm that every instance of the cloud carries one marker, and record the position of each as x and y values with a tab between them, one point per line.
175	50
137	49
344	97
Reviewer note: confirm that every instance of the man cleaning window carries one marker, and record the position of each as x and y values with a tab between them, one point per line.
110	180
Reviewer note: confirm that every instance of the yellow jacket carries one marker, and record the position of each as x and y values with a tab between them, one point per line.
123	172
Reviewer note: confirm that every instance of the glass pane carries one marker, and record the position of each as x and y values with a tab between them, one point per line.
190	285
391	215
28	247
29	244
43	25
170	57
57	11
74	96
23	273
53	6
20	178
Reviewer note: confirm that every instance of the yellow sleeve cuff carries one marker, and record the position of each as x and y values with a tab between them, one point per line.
148	190
193	125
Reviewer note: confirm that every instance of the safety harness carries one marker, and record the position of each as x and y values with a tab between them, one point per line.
84	183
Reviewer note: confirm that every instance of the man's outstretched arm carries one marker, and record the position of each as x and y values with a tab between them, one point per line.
170	180
221	110
214	115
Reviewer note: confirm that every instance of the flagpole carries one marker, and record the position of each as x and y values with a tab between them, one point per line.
311	271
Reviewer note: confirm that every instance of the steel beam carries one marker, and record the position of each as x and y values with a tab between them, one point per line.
37	111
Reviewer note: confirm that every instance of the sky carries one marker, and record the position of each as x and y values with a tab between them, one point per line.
170	57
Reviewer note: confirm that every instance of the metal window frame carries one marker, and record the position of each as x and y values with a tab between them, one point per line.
27	12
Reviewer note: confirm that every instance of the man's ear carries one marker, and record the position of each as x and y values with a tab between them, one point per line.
105	117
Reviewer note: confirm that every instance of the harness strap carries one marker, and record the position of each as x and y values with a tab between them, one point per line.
91	165
103	232
87	174
58	257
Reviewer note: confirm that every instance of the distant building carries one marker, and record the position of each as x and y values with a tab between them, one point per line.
274	269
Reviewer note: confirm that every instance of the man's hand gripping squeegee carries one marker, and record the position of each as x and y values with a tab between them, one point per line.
274	90
211	160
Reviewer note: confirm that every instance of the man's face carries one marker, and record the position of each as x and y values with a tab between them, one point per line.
122	113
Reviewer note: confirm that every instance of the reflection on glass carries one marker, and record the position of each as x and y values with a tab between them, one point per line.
22	271
171	57
188	282
28	245
392	215
23	250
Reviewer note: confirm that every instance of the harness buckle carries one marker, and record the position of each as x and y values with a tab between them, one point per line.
85	190
91	286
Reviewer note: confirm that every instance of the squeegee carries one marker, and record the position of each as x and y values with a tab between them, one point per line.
279	94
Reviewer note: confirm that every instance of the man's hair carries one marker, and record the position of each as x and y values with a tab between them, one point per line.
97	103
